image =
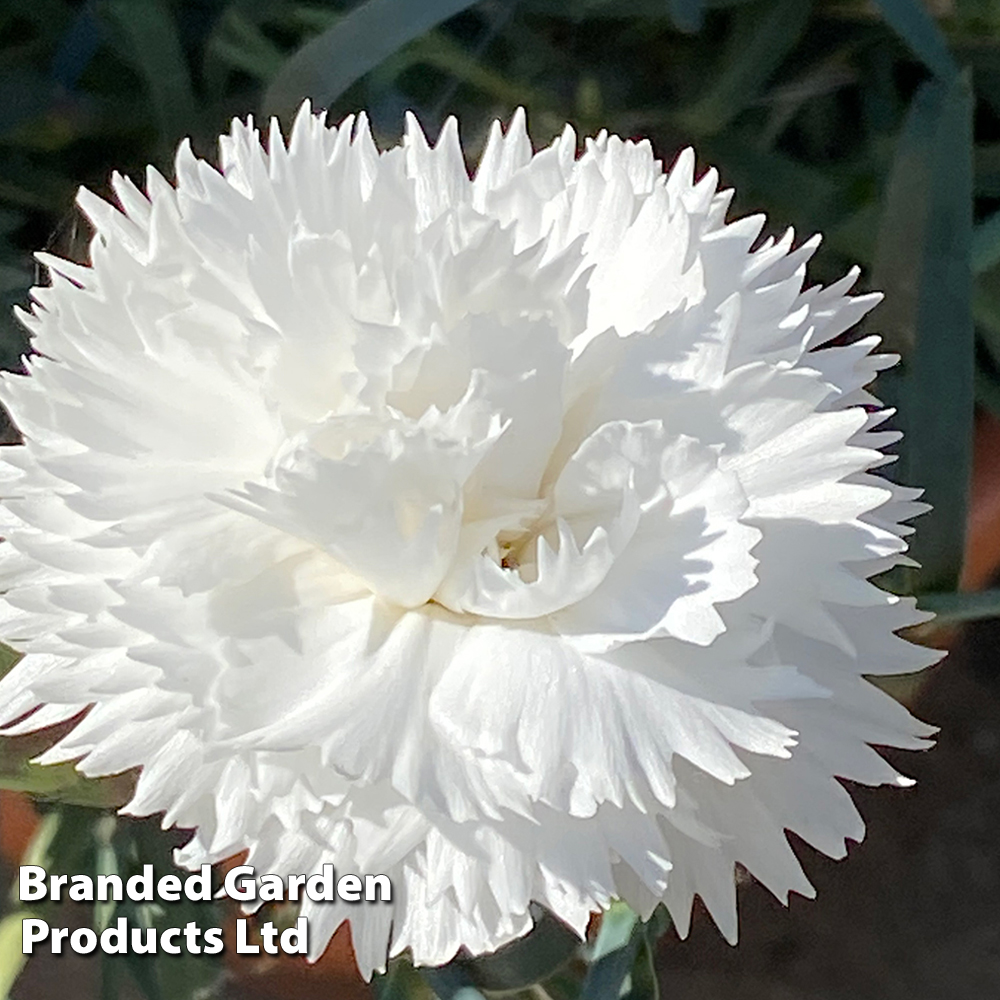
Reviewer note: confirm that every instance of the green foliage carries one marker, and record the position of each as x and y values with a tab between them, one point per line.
56	782
528	960
688	15
12	960
551	962
8	657
78	840
401	982
621	961
451	982
924	265
151	43
757	46
326	66
917	28
59	782
956	607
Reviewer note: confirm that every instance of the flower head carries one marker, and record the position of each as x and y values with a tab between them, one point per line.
508	536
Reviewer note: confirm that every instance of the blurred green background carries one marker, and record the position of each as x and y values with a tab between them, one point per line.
875	122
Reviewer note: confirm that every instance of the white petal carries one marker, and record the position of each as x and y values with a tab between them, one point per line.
509	536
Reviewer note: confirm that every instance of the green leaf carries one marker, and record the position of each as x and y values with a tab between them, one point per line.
614	955
153	46
27	94
328	64
621	961
111	977
617	925
687	15
105	863
584	10
987	161
587	10
527	960
960	607
438	50
759	42
12	961
644	984
63	783
923	266
188	977
911	20
8	657
144	970
45	835
240	44
986	244
451	982
988	391
986	311
14	343
59	782
793	189
401	982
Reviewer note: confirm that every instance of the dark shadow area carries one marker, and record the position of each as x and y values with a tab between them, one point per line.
913	913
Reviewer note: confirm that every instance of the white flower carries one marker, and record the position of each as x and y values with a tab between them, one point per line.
508	536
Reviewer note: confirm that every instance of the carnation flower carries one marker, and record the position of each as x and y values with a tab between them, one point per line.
508	536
